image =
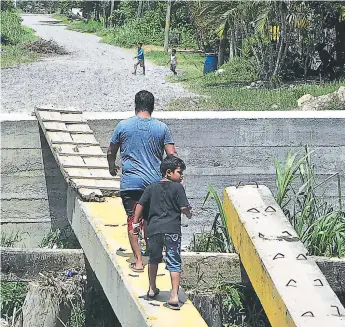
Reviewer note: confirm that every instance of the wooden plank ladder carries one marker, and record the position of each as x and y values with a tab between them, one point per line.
77	152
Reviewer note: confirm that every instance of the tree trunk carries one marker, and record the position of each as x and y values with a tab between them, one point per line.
222	45
340	43
43	307
232	44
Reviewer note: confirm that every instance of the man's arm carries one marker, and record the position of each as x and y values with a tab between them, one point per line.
170	149
111	157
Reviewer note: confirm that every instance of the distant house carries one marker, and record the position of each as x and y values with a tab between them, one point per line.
77	12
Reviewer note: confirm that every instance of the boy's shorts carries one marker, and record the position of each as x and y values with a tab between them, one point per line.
129	200
141	63
172	243
173	67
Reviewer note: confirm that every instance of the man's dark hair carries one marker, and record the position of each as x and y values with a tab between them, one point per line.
144	101
171	162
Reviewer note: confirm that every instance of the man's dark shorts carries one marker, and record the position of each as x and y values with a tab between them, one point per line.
172	243
129	200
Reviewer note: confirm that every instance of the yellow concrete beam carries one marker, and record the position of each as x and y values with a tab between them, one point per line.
286	281
101	230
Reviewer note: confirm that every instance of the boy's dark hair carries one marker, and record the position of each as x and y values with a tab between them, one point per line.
144	101
171	162
173	50
140	44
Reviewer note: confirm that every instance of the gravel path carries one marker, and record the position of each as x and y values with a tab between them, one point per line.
94	77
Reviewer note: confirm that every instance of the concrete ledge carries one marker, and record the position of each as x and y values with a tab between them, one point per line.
204	271
26	264
199	270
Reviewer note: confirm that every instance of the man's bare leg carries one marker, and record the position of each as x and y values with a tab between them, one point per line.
175	283
133	240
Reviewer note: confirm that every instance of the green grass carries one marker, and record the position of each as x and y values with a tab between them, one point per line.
15	55
218	95
17	35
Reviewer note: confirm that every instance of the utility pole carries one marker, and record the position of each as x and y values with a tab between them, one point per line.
167	26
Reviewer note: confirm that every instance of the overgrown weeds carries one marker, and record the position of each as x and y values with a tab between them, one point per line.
9	240
300	193
218	238
60	239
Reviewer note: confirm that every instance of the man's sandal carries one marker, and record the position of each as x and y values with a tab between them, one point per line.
132	267
172	306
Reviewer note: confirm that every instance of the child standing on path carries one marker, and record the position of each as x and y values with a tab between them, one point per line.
166	201
141	59
173	61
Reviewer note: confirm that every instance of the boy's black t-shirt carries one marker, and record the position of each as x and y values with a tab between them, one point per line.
165	200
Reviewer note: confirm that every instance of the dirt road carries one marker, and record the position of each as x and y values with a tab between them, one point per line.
93	77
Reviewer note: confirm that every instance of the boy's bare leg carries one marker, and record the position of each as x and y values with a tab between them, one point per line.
133	240
152	278
135	69
144	69
175	283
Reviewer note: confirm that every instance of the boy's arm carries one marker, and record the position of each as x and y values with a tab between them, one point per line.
187	211
183	201
139	209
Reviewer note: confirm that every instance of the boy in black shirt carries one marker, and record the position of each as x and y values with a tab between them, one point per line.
166	201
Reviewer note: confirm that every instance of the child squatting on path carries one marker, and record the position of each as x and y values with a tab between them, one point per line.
166	200
141	59
173	61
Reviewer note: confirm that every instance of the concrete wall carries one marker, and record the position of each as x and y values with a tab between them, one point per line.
219	148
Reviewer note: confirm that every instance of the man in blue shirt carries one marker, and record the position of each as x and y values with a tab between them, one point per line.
142	141
141	59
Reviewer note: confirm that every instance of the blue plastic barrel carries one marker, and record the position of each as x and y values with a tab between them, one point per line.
210	64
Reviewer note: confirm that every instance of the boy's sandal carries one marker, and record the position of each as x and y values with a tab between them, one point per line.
132	266
172	306
151	297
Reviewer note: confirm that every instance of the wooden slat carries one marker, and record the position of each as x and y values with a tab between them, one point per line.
55	109
73	143
96	174
90	149
47	116
79	127
83	155
84	138
76	118
70	149
96	184
96	161
59	137
55	126
71	161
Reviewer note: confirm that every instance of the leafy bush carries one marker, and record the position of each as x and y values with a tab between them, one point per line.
239	69
11	29
147	30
